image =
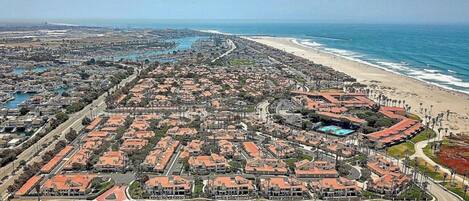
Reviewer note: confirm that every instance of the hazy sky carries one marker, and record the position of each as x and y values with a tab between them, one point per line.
359	11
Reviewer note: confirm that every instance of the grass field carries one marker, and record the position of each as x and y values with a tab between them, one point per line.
428	169
457	188
427	150
424	135
136	191
401	150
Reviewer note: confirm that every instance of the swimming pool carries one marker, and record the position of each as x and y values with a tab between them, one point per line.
335	130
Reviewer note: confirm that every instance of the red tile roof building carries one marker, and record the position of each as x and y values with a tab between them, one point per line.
335	188
405	129
111	161
164	187
266	167
228	149
229	188
68	185
315	169
391	180
29	185
281	149
207	164
280	188
252	149
159	157
48	167
131	145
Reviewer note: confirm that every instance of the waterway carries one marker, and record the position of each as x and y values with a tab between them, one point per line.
21	70
18	99
181	45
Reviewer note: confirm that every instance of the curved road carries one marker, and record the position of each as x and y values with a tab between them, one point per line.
233	47
419	153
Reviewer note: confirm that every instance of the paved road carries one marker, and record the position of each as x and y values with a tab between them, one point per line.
263	110
233	47
118	193
419	153
174	159
34	153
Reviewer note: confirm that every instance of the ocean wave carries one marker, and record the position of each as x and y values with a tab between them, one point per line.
214	31
307	43
440	78
346	53
327	38
429	76
431	70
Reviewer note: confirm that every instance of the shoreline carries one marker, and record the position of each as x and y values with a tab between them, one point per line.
443	87
392	84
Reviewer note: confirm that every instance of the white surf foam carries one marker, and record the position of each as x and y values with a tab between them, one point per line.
429	76
214	31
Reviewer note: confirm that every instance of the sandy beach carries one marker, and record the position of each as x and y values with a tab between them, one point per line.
391	84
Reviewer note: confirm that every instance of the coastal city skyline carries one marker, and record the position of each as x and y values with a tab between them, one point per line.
234	100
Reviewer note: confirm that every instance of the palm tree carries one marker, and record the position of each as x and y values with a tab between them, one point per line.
466	187
452	174
445	175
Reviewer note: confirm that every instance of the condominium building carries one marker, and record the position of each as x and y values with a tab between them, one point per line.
281	188
207	164
68	185
228	188
315	169
328	188
159	157
111	161
269	166
281	149
168	187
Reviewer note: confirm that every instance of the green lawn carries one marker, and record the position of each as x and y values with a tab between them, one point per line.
413	192
291	161
101	188
400	150
456	189
198	187
427	150
237	62
136	191
413	116
424	135
430	170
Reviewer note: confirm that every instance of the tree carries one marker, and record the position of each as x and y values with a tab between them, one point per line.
71	135
92	61
61	117
24	111
85	121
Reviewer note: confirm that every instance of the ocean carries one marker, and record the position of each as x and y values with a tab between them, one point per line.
436	54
